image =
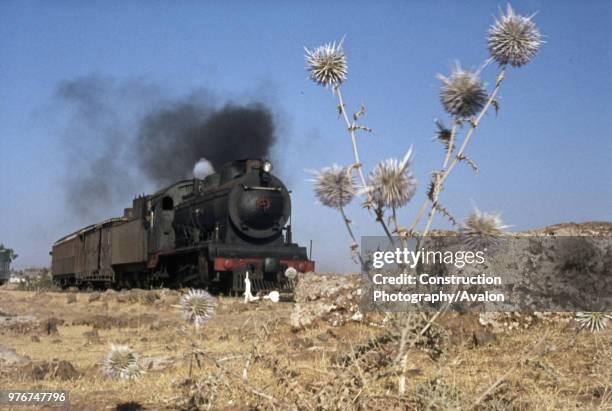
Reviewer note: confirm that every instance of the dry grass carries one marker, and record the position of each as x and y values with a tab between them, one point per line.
546	366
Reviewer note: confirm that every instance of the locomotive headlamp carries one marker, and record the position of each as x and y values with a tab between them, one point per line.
291	273
267	166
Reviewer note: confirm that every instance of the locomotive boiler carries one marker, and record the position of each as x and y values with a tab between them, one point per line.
204	233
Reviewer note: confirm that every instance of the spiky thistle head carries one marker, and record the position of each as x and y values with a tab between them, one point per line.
122	363
463	93
334	186
593	321
443	134
198	306
480	223
391	183
327	64
513	39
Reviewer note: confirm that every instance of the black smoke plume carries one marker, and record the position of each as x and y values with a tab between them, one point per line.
96	144
126	138
173	139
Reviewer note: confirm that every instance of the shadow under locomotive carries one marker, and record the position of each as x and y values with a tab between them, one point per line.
201	233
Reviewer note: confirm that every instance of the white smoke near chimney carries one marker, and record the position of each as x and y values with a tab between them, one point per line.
203	168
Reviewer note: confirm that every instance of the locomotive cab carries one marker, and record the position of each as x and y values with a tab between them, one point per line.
160	208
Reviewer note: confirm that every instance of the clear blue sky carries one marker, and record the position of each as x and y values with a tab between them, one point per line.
547	158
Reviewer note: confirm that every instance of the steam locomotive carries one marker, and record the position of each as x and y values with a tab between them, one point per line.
204	233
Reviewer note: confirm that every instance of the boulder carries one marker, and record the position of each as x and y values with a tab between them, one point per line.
326	297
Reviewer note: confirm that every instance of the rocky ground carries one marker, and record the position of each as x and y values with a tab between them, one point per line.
317	352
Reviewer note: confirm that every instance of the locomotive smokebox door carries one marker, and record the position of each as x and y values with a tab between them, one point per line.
259	211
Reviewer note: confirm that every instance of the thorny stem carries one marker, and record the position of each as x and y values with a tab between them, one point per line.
380	215
381	220
439	181
423	208
419	215
394	217
451	146
403	347
347	222
441	178
351	130
449	152
403	351
397	228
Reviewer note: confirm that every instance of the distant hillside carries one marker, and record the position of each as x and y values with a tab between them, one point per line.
594	228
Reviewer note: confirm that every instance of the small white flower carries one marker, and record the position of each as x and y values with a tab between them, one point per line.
122	363
198	306
327	64
513	39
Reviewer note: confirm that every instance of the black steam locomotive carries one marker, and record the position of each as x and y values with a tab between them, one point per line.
202	232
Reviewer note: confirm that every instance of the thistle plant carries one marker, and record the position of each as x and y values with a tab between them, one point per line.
482	230
334	187
483	224
443	134
327	64
593	321
512	40
462	94
122	363
197	306
391	185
